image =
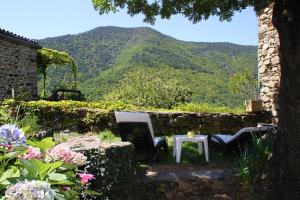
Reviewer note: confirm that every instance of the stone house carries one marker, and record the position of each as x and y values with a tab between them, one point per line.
18	68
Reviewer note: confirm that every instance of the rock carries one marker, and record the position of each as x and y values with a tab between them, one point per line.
275	60
271	51
267	62
262	69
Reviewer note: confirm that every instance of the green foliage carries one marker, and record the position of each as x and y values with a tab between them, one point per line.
191	107
43	144
97	116
29	124
47	57
108	136
9	173
193	10
38	170
252	160
106	54
14	168
147	87
3	116
10	114
244	83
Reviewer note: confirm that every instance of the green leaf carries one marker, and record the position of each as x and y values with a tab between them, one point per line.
92	192
61	182
44	144
26	129
54	166
57	177
13	172
31	167
38	169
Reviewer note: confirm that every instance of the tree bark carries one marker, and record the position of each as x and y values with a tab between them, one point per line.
283	170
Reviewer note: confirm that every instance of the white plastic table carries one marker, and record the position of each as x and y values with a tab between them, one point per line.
200	139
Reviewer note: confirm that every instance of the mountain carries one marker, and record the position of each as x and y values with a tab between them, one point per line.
105	54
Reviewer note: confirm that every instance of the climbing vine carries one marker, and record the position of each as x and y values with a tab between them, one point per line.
47	57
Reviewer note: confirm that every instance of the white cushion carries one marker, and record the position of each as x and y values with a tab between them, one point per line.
135	117
229	138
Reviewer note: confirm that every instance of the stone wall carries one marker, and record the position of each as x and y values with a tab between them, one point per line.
18	68
180	123
112	164
269	62
164	123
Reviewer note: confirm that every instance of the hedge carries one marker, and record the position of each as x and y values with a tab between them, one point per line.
98	116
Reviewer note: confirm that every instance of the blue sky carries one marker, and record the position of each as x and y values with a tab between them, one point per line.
38	19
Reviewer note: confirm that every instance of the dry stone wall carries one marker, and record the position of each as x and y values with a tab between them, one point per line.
17	67
269	62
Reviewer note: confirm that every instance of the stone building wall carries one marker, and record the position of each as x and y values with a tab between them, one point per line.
269	62
18	68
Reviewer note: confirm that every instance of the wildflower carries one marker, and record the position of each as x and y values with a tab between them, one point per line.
11	135
30	190
65	154
33	153
84	178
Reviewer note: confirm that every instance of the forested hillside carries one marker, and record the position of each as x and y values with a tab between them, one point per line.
106	54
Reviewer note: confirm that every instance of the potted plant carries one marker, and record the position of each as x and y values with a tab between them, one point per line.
246	84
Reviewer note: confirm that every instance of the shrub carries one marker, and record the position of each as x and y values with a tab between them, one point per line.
148	87
192	107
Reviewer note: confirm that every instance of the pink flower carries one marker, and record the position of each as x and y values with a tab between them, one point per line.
33	153
84	178
65	154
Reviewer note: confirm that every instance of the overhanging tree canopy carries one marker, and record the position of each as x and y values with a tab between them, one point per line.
47	57
282	179
194	10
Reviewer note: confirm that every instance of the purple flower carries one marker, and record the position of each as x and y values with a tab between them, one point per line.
12	135
30	190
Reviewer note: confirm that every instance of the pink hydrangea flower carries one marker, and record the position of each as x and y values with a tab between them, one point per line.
33	153
84	178
65	154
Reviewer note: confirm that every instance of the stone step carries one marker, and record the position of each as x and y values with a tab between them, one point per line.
189	184
210	174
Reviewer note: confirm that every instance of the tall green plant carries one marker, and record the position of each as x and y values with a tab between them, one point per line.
252	160
47	57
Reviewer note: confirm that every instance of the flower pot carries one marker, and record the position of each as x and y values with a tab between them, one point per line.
253	106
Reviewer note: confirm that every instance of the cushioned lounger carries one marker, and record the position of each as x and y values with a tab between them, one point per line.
136	127
236	141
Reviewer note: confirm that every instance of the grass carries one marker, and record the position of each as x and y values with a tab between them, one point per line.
108	136
189	153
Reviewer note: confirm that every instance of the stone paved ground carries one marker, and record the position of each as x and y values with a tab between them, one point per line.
184	182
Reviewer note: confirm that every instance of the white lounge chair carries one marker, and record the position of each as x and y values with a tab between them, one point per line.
230	143
136	127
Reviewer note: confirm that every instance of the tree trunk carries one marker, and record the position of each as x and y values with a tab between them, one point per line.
281	179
